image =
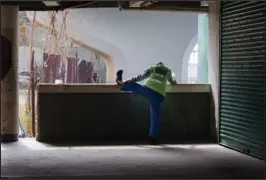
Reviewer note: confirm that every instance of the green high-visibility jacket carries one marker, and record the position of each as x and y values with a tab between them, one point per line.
158	76
158	79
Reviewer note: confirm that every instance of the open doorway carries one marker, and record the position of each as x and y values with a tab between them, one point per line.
193	66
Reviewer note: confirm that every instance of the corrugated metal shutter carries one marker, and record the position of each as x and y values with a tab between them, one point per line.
243	76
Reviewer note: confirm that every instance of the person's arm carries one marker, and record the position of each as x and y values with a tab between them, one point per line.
171	78
140	77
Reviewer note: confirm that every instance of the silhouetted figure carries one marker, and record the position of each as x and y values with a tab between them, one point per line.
96	78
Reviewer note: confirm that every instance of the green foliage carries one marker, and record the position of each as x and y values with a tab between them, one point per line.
25	118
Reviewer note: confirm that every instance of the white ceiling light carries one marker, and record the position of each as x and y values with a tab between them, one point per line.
50	3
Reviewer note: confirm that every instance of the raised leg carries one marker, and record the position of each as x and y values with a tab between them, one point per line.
137	88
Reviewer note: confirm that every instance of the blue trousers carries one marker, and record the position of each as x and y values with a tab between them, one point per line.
155	103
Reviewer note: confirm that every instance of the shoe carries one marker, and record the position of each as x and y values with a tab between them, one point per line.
153	141
119	78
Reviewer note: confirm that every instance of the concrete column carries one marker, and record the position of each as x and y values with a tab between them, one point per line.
214	56
203	49
9	74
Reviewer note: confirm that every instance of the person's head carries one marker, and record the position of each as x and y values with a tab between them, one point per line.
160	64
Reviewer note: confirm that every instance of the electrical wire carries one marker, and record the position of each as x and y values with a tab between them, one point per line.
58	41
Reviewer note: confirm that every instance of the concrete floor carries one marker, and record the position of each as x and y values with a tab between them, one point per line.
28	158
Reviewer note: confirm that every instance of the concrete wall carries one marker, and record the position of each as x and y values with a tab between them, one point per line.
134	40
94	113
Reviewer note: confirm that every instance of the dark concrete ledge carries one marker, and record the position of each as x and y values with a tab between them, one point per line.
113	88
108	116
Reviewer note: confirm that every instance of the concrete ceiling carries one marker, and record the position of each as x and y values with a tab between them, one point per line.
127	5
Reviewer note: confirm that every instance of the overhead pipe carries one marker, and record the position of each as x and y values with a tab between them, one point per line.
173	9
176	9
82	5
79	5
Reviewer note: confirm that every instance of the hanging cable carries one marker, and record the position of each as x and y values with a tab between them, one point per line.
31	89
57	40
30	49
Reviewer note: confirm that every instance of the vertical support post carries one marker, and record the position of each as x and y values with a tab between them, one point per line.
32	85
214	58
9	74
76	69
202	49
69	70
1	59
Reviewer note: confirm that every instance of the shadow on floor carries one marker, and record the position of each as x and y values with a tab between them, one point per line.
30	159
116	143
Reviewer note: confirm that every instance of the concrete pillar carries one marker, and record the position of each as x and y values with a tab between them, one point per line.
214	56
202	73
9	74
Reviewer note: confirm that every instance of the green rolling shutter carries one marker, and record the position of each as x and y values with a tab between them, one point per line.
243	76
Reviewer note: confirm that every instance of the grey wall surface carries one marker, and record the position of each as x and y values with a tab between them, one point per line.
92	117
134	40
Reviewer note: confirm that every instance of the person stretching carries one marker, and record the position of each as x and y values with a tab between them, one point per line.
154	90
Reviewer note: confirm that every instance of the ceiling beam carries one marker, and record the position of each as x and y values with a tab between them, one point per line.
192	6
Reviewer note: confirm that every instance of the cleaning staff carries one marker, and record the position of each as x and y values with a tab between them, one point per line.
154	90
